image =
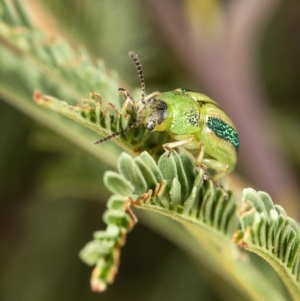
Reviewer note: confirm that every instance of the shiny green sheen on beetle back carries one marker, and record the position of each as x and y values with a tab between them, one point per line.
224	131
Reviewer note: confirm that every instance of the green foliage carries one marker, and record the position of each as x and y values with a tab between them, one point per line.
104	250
30	60
211	217
105	119
175	188
270	233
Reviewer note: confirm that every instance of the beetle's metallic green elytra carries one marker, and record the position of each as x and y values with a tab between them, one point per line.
193	120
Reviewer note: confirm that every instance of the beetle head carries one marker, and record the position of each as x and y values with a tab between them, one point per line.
153	112
156	115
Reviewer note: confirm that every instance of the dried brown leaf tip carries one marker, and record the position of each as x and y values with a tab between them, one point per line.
246	209
39	97
240	238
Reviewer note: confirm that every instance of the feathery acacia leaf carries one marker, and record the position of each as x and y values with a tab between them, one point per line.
207	213
270	233
172	187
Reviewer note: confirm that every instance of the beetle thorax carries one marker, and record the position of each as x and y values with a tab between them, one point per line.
156	115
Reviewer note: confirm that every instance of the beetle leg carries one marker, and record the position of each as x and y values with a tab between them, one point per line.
169	146
221	174
153	94
199	158
220	168
128	99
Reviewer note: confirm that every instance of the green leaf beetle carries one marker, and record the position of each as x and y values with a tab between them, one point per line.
192	119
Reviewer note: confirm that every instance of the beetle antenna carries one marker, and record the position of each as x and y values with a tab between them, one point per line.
132	126
139	68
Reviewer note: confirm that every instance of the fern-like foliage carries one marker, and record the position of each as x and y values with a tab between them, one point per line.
70	73
31	60
106	119
172	186
175	188
270	233
104	250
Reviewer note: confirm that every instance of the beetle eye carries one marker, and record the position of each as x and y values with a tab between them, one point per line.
150	126
151	101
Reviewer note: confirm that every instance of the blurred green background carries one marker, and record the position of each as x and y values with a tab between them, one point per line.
245	56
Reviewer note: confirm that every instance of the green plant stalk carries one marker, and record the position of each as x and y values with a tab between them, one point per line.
223	256
284	273
64	127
